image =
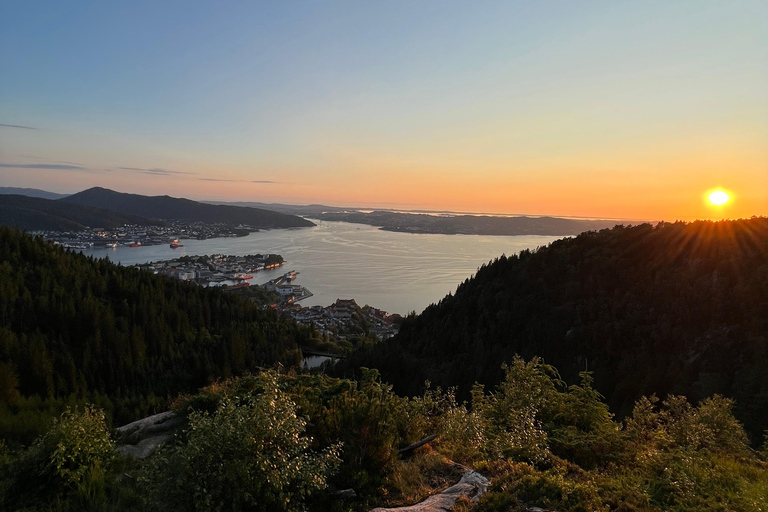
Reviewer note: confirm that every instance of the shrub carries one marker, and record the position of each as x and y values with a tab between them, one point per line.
66	465
251	454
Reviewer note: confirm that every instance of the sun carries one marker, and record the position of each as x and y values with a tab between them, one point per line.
718	197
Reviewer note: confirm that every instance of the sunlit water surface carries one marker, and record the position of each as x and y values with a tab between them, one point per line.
397	272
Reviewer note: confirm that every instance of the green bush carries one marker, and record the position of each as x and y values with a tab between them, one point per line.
67	465
250	454
523	486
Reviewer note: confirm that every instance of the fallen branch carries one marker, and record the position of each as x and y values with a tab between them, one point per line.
417	444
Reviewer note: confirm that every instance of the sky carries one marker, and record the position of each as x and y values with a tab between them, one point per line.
627	110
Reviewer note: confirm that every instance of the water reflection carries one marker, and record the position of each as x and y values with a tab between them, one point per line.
398	272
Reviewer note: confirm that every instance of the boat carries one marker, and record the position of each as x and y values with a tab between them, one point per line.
112	245
176	245
135	244
244	284
243	276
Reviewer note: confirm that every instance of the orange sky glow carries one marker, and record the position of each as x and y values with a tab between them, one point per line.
627	111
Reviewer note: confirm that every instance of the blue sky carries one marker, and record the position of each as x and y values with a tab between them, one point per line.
625	109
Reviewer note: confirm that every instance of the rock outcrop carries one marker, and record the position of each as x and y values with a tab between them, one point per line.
141	438
472	485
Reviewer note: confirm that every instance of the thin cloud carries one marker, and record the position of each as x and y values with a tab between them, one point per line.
44	167
17	126
236	181
154	172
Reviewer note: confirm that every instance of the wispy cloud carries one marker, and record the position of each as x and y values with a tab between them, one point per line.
154	172
44	167
17	126
237	181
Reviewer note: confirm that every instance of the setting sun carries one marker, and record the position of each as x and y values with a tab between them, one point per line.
718	197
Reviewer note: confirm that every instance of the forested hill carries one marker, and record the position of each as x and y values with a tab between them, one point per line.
172	208
74	328
676	308
33	213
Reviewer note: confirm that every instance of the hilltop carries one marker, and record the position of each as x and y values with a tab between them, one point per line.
38	214
172	208
674	308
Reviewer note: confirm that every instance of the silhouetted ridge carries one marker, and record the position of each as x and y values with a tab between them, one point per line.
31	192
676	308
172	208
32	214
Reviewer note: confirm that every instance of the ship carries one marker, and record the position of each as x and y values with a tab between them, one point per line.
112	245
175	244
243	284
135	244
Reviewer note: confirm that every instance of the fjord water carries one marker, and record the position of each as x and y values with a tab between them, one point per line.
397	272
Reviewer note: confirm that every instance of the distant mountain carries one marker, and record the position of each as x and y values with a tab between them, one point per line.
310	210
172	208
31	192
446	223
676	308
37	214
468	224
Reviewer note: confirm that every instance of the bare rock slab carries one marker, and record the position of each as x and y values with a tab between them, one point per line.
141	438
472	485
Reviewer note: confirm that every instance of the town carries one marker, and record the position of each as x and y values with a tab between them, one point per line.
138	235
342	321
217	269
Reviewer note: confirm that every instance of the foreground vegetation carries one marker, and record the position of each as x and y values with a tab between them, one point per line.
283	441
86	345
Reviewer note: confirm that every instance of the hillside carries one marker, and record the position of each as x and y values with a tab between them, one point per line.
86	345
676	308
74	329
33	214
172	208
30	192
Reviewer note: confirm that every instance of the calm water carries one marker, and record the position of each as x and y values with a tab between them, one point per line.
397	272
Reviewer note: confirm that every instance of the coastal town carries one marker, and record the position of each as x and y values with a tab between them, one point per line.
345	318
233	272
341	321
139	236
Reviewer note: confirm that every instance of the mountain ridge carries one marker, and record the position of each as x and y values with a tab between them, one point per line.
39	214
173	208
31	192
